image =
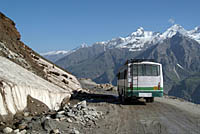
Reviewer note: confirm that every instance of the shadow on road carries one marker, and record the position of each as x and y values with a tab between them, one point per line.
107	98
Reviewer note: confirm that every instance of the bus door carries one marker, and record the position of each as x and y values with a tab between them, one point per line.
135	76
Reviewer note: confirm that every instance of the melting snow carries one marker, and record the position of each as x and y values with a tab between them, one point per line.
180	66
16	83
176	73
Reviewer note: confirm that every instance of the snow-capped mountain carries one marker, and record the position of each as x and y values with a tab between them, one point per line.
141	39
136	41
56	55
193	34
56	52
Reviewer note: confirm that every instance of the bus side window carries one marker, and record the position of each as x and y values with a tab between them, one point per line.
134	70
140	70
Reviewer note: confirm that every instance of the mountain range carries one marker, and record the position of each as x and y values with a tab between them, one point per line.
177	49
136	41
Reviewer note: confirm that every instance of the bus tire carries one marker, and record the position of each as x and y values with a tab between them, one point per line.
151	99
123	99
147	100
120	97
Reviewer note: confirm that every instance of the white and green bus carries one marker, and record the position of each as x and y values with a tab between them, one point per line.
139	78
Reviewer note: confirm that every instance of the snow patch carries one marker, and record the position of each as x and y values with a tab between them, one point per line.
55	52
176	73
180	66
16	83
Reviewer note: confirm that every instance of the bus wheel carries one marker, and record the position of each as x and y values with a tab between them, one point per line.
151	99
120	97
147	100
123	100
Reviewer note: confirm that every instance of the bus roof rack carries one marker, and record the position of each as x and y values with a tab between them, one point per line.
138	60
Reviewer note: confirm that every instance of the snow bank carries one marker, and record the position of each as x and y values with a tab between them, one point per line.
16	83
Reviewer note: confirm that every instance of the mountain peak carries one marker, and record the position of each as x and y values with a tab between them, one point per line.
197	29
139	32
83	45
173	30
176	27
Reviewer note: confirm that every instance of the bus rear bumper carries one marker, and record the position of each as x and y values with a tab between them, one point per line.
132	93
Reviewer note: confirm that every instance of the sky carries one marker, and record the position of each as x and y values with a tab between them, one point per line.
51	25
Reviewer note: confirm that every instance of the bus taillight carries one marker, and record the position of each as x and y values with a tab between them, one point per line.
158	85
131	85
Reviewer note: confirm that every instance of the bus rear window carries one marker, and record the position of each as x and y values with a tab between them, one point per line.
145	70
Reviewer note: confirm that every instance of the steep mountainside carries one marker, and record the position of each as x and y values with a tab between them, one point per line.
25	74
189	88
12	48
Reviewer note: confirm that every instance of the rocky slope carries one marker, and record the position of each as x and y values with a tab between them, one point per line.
25	74
188	88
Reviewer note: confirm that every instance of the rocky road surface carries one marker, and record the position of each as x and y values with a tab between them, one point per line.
167	115
99	111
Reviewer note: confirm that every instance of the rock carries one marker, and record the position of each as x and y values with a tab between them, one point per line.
61	112
74	131
7	130
59	116
23	132
16	131
62	118
26	114
22	126
83	104
48	125
69	120
57	119
28	119
55	131
70	114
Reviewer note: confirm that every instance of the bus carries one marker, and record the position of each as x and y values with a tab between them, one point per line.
140	78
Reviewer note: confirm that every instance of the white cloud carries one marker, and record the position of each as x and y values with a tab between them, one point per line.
171	20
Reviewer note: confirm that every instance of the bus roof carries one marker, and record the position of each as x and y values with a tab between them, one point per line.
139	60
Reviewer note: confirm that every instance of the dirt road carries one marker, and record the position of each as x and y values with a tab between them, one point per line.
165	116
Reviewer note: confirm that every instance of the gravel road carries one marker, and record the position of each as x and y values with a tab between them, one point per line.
167	115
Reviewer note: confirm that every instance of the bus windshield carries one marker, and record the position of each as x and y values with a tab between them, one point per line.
145	70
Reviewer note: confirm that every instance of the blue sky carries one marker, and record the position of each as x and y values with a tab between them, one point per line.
47	25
